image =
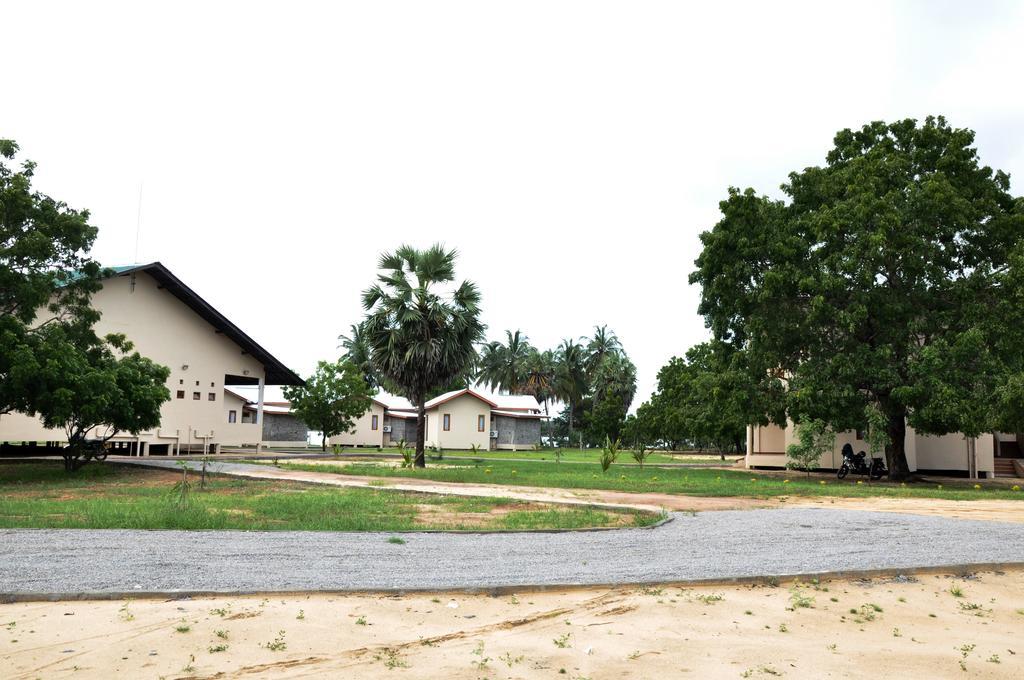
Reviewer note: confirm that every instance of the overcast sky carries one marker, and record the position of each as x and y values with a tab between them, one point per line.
571	151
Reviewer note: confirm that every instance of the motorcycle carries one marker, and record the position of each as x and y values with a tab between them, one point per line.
857	463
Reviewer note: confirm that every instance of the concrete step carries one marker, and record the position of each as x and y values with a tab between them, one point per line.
1004	467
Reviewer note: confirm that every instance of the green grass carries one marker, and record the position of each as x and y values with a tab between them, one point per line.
568	455
579	456
106	496
690	481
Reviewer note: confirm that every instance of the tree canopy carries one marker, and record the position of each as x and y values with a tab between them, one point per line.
46	275
890	278
52	364
422	328
332	399
706	400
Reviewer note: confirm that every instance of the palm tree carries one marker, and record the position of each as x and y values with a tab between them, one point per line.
570	374
541	376
604	343
421	337
357	351
503	366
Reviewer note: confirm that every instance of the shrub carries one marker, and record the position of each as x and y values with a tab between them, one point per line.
609	453
815	439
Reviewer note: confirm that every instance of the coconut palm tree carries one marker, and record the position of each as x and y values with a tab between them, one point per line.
570	374
503	366
357	351
541	376
421	328
604	343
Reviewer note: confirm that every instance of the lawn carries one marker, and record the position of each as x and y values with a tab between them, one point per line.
109	496
579	456
691	481
568	455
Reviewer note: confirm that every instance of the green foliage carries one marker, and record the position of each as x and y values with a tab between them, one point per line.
503	366
332	399
640	454
406	453
890	278
52	364
357	351
597	383
96	388
814	439
876	436
707	399
609	453
420	336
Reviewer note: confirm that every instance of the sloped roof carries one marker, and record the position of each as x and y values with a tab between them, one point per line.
277	372
518	414
448	396
390	401
516	402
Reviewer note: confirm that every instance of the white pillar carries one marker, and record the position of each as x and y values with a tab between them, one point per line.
259	408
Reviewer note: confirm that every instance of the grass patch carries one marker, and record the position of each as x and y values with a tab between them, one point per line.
690	481
110	496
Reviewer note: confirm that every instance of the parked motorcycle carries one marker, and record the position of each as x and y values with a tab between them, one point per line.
857	463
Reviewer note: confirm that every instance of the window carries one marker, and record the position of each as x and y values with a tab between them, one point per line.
195	396
181	382
373	422
479	423
181	394
447	422
197	383
232	416
212	396
212	385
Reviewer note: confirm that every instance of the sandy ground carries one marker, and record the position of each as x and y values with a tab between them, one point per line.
989	510
912	627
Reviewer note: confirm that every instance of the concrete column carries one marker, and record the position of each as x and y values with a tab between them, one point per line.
259	407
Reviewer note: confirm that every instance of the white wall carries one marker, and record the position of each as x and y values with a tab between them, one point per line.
164	329
364	434
464	411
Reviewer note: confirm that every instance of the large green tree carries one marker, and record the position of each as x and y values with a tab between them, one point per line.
52	364
883	266
504	365
93	388
332	399
570	383
46	275
421	327
708	398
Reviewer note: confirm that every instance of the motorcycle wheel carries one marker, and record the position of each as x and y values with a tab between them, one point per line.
877	473
843	471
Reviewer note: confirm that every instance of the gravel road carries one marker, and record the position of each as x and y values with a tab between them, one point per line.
704	546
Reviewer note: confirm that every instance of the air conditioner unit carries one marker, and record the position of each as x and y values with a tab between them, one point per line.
494	434
387	428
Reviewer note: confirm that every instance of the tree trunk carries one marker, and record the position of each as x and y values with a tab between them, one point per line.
421	433
895	451
570	422
323	442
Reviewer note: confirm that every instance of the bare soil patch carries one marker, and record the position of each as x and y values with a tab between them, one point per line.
928	626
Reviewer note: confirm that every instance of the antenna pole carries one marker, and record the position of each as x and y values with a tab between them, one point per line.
138	225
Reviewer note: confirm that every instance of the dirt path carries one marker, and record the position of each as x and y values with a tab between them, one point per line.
909	627
989	510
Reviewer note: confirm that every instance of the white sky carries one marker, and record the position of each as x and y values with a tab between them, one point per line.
571	151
